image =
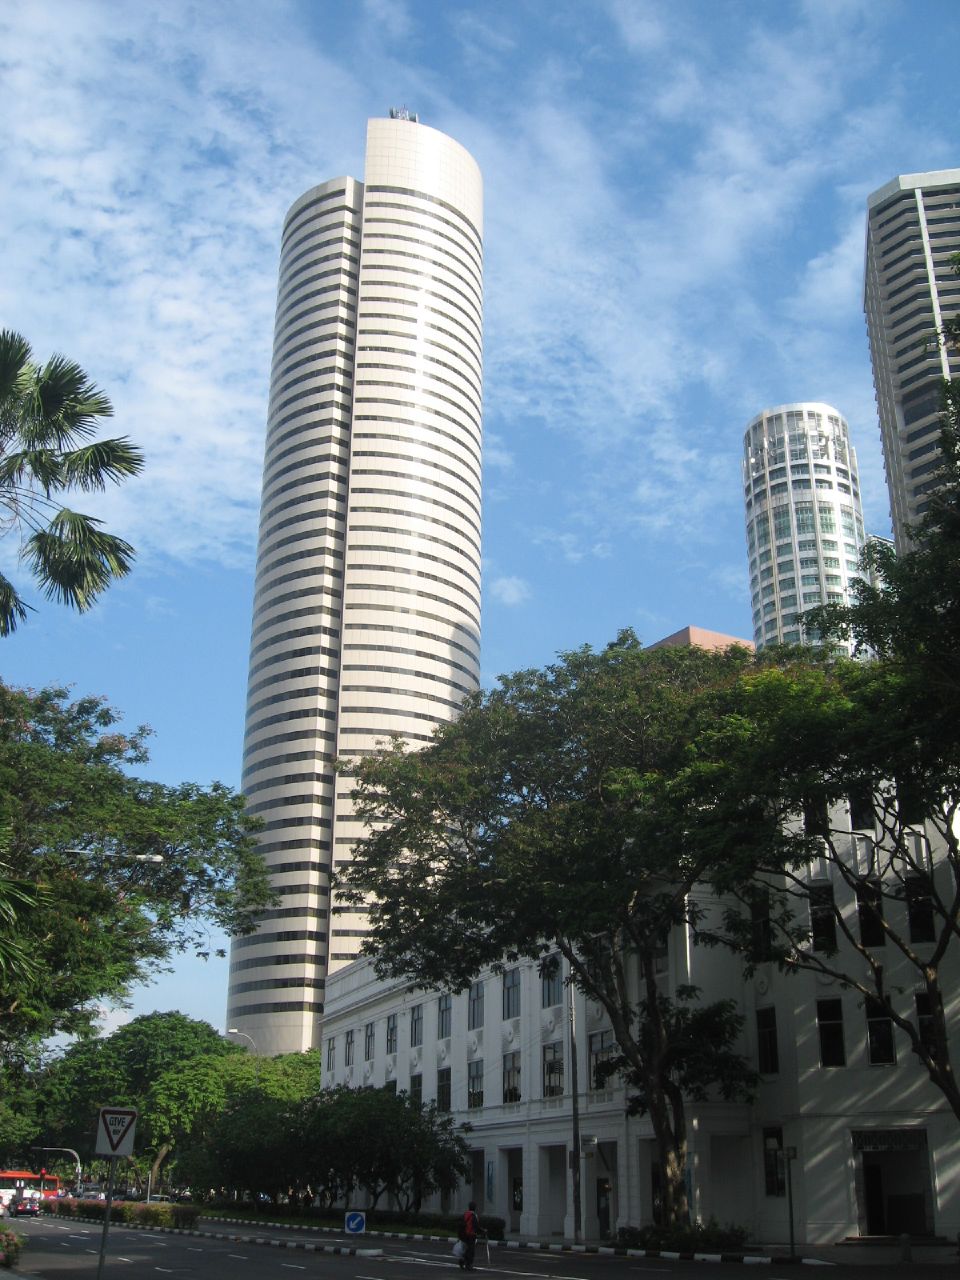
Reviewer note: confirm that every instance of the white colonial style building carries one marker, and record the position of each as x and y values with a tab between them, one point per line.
843	1110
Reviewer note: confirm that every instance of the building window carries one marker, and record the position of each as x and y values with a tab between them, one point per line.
474	1084
369	1036
511	993
416	1026
768	1053
862	814
601	1050
830	1028
331	1054
443	1089
925	1022
553	1069
880	1047
348	1049
511	1076
823	922
475	1007
391	1033
416	1089
920	909
444	1016
870	913
551	982
773	1171
390	1088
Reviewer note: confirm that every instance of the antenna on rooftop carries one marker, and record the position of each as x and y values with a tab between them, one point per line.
404	113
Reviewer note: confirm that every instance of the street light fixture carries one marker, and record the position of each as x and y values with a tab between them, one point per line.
235	1031
126	857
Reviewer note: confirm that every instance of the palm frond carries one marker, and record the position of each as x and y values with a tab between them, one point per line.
13	610
14	361
61	406
91	466
40	465
74	560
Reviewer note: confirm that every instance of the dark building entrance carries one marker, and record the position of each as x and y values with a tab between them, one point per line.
894	1195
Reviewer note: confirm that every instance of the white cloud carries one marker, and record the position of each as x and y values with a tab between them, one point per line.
509	591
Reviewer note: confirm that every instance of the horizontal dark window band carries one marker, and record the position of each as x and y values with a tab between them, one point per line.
287	913
376	229
264	962
299	820
411	593
415	553
465	460
320	206
312	271
381	609
463	335
317	577
290	757
314	691
305	651
330	560
337	297
323	325
314	610
471	295
386	279
316	246
282	739
466	509
312	542
327	359
467	401
412	194
331	481
465	537
473	250
287	780
471	592
275	984
414	538
465	375
335	316
445	641
280	935
416	460
468	366
306	713
309	386
422	655
408	690
282	1006
324	518
471	430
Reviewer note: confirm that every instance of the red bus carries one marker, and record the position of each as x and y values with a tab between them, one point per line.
24	1184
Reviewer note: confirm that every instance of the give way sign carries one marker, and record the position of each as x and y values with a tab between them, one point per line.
115	1131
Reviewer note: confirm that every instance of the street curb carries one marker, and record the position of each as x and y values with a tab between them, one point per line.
308	1246
748	1259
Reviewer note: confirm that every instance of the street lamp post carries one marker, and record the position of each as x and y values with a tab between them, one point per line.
235	1031
69	1151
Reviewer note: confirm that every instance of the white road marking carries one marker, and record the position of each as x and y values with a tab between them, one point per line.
293	1266
243	1257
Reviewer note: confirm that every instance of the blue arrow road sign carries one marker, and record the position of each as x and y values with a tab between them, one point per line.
354	1223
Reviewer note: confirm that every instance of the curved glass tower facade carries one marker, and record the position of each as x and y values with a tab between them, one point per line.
366	617
804	521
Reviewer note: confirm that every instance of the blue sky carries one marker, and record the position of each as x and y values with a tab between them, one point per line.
675	198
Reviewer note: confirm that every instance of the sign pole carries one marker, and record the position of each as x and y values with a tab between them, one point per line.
106	1216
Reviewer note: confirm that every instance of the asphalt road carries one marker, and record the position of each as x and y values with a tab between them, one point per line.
64	1251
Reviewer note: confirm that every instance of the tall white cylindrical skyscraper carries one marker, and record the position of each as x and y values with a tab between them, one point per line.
366	618
804	520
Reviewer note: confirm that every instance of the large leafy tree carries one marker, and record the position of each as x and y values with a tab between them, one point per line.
80	829
123	1069
542	821
838	816
49	415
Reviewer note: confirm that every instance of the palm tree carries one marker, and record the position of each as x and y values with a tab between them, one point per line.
48	416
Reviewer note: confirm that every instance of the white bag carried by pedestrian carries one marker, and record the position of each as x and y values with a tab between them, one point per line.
459	1249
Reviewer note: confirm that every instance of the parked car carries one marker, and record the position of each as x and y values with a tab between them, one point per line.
25	1208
